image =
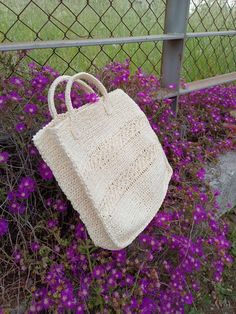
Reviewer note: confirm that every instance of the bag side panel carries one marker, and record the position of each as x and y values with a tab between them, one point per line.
53	154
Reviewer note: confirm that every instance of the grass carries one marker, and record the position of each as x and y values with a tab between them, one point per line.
75	19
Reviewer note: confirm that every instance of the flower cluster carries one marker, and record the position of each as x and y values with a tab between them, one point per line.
4	157
17	197
162	270
3	226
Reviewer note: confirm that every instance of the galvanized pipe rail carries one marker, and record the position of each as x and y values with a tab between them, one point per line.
106	41
197	85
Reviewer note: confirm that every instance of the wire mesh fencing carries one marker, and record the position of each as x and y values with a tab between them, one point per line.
210	56
32	20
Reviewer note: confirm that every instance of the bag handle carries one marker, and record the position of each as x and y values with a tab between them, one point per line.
51	92
91	79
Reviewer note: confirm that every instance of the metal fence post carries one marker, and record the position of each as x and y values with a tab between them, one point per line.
176	21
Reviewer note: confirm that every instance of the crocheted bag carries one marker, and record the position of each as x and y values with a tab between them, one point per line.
119	162
56	158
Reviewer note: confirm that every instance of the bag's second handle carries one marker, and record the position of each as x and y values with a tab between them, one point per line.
91	79
52	89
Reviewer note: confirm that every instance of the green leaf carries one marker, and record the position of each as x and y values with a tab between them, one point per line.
233	251
194	311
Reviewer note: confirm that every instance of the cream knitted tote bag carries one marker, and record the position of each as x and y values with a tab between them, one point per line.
56	158
119	161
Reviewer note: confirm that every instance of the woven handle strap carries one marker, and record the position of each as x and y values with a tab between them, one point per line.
91	79
51	92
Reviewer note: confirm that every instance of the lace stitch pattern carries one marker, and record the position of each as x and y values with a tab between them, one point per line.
126	179
106	151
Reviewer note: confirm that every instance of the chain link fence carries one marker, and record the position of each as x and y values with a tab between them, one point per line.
209	56
32	20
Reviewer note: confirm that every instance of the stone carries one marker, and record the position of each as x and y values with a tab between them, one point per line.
222	177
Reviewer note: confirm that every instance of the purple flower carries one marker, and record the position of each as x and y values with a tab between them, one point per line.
35	246
120	256
80	231
49	202
68	299
148	306
116	274
72	254
213	224
23	193
46	302
91	98
133	303
11	195
41	98
16	208
3	100
60	205
98	271
28	183
20	127
80	309
33	150
129	280
203	197
15	80
45	172
32	65
26	187
228	258
111	282
221	242
163	219
217	276
31	108
83	292
3	226
52	223
14	96
4	156
199	214
144	98
40	81
188	298
17	255
201	174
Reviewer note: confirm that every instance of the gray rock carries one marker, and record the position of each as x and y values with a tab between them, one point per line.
222	176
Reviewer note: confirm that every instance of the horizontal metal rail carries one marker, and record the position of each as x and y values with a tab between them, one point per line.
197	85
86	42
105	41
209	34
